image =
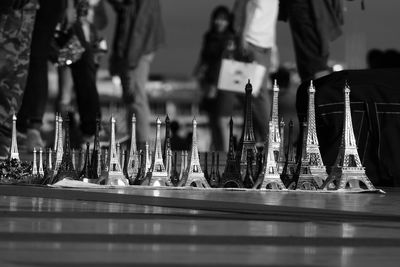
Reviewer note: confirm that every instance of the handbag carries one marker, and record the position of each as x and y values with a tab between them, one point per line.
233	76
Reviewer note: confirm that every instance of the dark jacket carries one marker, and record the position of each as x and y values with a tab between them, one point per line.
139	31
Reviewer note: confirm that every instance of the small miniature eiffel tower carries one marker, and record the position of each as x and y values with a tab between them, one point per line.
231	176
316	166
132	166
304	180
14	146
59	145
205	169
85	174
184	164
66	168
174	173
115	175
214	181
289	169
56	128
248	181
96	154
270	177
167	141
247	141
49	172
348	168
168	165
193	175
158	175
34	163
40	170
282	154
145	167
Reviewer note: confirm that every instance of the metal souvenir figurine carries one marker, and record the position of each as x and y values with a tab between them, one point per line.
14	146
282	154
348	170
214	181
289	168
274	138
193	175
114	175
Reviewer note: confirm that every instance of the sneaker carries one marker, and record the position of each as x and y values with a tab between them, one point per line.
33	139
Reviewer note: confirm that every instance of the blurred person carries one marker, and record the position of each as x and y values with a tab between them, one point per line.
255	22
35	96
17	18
218	41
313	24
139	33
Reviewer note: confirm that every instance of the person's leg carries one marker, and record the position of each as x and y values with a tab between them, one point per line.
135	97
65	89
311	49
16	29
261	102
36	91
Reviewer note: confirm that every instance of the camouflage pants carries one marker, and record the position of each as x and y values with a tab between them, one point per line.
15	40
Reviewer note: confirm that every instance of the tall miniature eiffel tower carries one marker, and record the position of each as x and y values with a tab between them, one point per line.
247	141
49	172
316	166
132	166
66	168
193	175
289	169
34	163
174	176
40	169
274	130
214	181
145	167
184	164
348	168
115	175
231	176
14	146
158	175
270	177
56	128
60	144
167	141
304	180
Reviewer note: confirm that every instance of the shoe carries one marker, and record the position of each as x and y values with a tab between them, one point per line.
33	140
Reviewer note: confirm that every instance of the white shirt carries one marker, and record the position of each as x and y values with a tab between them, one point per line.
260	27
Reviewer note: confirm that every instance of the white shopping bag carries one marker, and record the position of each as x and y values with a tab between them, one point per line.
234	75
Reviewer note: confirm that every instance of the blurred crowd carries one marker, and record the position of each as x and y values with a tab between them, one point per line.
67	33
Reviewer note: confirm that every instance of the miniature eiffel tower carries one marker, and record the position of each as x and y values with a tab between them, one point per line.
34	163
167	141
304	180
270	177
348	168
205	169
214	181
158	175
56	128
14	146
231	176
85	174
289	169
247	141
145	167
59	147
66	168
115	175
174	172
132	166
184	159
282	154
96	154
248	181
274	130
168	165
316	166
40	170
193	175
49	172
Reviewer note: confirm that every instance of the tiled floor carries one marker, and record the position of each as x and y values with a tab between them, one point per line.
160	227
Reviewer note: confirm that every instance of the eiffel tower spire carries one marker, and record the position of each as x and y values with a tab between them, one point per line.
158	175
348	169
14	146
270	177
167	141
193	175
247	141
56	129
231	176
213	173
34	165
115	175
40	170
316	166
274	134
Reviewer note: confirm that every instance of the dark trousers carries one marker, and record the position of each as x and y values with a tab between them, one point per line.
311	46
36	91
84	78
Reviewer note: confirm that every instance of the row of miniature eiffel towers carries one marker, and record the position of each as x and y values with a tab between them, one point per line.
273	168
